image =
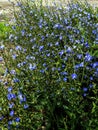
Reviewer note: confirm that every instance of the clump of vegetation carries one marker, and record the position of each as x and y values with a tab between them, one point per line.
3	30
52	68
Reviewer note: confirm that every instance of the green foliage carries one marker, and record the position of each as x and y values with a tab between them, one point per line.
3	30
51	68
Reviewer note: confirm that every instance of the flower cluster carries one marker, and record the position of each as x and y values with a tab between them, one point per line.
51	64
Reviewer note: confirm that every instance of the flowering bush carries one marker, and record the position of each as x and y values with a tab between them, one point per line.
51	68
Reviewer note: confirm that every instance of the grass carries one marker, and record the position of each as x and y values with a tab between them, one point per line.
3	29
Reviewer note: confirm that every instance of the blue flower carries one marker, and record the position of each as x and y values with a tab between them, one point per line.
61	37
41	48
1	118
84	94
57	44
49	44
23	32
2	47
85	89
95	64
63	66
0	80
42	71
18	4
14	56
11	96
1	59
42	38
32	67
81	64
64	79
79	56
91	78
11	36
17	119
13	72
5	83
48	54
77	66
74	76
11	105
90	85
64	73
88	57
26	106
13	27
69	50
40	25
66	21
10	122
15	80
59	69
96	74
94	32
18	48
61	52
32	40
9	89
96	41
58	26
88	16
72	88
86	45
22	98
12	113
44	64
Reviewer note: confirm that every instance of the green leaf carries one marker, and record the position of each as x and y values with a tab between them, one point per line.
93	109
